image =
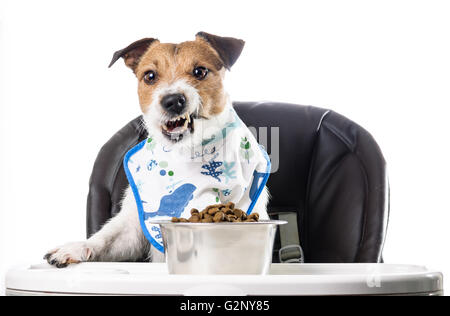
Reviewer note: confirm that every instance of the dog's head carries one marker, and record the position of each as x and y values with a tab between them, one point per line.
180	86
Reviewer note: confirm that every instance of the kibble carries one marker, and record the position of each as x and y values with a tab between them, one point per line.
194	218
207	220
254	216
218	213
213	211
219	217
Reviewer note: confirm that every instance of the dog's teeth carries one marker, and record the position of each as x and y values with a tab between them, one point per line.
188	118
165	127
186	124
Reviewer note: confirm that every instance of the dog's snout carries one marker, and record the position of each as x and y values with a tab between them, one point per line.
174	103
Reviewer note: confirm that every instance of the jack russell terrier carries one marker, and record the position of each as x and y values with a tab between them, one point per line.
198	150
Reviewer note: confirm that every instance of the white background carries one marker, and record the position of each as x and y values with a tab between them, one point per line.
383	64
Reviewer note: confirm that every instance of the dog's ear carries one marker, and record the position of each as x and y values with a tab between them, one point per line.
133	52
228	48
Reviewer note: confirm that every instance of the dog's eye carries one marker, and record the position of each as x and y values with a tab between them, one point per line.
150	77
200	72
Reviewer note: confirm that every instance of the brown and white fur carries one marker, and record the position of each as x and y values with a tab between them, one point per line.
194	70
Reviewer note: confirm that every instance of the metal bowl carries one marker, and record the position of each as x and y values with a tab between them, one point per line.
219	248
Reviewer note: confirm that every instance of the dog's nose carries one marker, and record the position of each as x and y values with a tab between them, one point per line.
174	103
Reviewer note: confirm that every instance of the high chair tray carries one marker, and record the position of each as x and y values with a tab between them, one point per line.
283	279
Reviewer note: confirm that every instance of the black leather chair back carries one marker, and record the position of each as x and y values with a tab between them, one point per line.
327	169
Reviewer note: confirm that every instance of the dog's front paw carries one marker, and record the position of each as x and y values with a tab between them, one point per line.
70	253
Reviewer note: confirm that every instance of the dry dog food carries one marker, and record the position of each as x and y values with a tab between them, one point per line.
218	213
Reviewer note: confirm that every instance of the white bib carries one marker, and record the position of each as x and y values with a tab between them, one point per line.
170	181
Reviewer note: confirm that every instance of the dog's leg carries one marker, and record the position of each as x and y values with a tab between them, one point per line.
121	239
156	255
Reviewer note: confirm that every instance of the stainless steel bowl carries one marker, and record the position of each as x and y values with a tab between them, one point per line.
219	248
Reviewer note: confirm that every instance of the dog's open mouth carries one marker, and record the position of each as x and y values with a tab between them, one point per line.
176	128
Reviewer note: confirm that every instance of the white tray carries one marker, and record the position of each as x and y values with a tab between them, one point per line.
284	279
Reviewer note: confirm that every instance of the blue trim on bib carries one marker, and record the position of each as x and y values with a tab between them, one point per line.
137	197
263	183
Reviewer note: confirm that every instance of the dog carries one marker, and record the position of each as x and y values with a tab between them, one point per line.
181	95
